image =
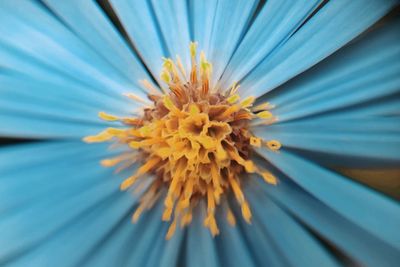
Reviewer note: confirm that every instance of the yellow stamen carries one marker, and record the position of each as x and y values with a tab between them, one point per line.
254	141
170	105
231	218
171	230
165	76
107	117
248	102
246	212
180	66
274	145
269	177
264	114
263	106
233	98
148	86
136	98
193	49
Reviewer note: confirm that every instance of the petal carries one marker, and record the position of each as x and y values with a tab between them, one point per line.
200	239
170	250
202	14
112	251
56	47
286	233
366	70
346	236
152	236
44	194
100	34
229	24
53	92
86	232
140	23
319	37
370	141
264	250
360	205
37	109
172	17
231	245
272	27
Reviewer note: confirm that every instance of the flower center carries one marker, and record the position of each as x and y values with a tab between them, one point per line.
195	140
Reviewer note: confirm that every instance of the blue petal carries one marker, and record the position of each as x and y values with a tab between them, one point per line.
37	109
45	193
231	245
369	138
170	251
112	251
129	244
348	237
172	16
309	44
79	237
286	233
229	25
200	239
265	251
56	47
100	34
360	205
202	14
365	70
387	106
139	21
151	236
273	26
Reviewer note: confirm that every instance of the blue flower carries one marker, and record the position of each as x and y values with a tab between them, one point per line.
332	80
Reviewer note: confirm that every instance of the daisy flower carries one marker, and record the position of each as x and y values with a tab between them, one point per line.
199	133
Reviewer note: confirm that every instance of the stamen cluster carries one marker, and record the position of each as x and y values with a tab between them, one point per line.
195	141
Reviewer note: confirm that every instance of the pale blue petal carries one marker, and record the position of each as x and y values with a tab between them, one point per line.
200	239
229	25
59	107
323	34
265	251
139	21
100	34
369	138
51	188
202	14
360	205
124	244
366	70
150	236
172	16
72	244
348	237
387	106
55	47
286	233
112	251
19	125
15	180
273	26
37	109
170	250
231	245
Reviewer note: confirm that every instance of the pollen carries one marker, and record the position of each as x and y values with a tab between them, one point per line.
192	144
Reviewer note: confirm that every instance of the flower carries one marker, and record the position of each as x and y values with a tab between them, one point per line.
333	107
